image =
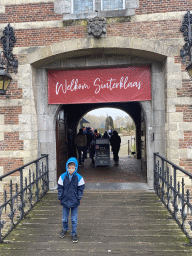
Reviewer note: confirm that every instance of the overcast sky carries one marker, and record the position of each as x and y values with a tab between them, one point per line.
113	112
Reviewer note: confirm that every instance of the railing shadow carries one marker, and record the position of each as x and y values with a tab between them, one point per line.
21	189
173	185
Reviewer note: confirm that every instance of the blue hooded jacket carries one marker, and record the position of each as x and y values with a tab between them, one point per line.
70	192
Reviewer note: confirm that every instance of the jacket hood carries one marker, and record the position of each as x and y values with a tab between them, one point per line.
72	160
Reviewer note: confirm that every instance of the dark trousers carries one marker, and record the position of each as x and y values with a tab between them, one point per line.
84	150
115	155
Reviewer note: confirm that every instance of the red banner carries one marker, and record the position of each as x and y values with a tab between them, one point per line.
99	85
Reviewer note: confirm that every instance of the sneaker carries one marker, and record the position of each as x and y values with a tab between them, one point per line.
74	238
81	165
63	233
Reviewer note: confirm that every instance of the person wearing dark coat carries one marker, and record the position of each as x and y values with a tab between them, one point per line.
115	142
70	192
105	135
89	136
81	143
92	145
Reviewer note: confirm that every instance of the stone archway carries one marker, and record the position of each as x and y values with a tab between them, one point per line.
144	48
89	53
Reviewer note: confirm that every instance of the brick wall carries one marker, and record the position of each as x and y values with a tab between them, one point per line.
34	28
29	13
186	90
10	164
161	6
187	141
11	114
47	36
11	142
187	112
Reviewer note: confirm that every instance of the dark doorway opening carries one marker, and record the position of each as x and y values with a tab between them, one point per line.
131	169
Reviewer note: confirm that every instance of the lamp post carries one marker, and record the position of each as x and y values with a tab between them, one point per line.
8	40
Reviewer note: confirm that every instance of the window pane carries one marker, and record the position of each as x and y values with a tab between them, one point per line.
82	6
112	5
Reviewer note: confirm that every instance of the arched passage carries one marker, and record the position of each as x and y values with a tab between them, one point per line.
74	112
82	54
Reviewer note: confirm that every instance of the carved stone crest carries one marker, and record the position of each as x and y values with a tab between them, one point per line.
97	26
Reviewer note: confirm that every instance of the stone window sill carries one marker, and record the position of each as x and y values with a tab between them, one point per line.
105	14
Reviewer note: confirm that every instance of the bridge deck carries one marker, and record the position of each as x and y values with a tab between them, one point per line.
111	222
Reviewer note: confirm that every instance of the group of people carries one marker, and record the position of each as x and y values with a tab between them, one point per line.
85	142
71	184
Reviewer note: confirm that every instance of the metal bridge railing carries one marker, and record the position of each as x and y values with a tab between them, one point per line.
20	190
173	186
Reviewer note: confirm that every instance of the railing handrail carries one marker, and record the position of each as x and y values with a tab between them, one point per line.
176	166
22	167
22	194
174	191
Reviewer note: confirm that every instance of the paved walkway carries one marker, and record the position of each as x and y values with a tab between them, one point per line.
126	222
128	170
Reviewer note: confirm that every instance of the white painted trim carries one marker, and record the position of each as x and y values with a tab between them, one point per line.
72	6
72	9
102	5
123	4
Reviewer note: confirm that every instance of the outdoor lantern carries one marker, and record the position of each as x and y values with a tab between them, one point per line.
186	28
189	69
5	80
7	58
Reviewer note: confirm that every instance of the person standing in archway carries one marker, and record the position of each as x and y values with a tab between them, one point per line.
81	143
115	142
110	131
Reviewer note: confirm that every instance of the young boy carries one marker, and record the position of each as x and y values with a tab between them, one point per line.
70	191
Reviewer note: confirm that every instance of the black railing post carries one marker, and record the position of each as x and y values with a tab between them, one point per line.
37	182
47	168
1	225
163	181
21	194
30	189
21	200
155	172
168	182
174	192
128	148
11	203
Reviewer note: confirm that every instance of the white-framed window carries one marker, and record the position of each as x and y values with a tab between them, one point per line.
87	6
82	6
82	9
111	5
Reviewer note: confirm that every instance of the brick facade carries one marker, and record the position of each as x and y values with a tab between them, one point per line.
10	164
42	33
11	114
155	6
29	13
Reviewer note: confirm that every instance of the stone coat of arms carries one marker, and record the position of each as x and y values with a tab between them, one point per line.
97	26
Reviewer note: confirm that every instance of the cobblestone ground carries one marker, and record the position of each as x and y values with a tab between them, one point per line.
128	170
